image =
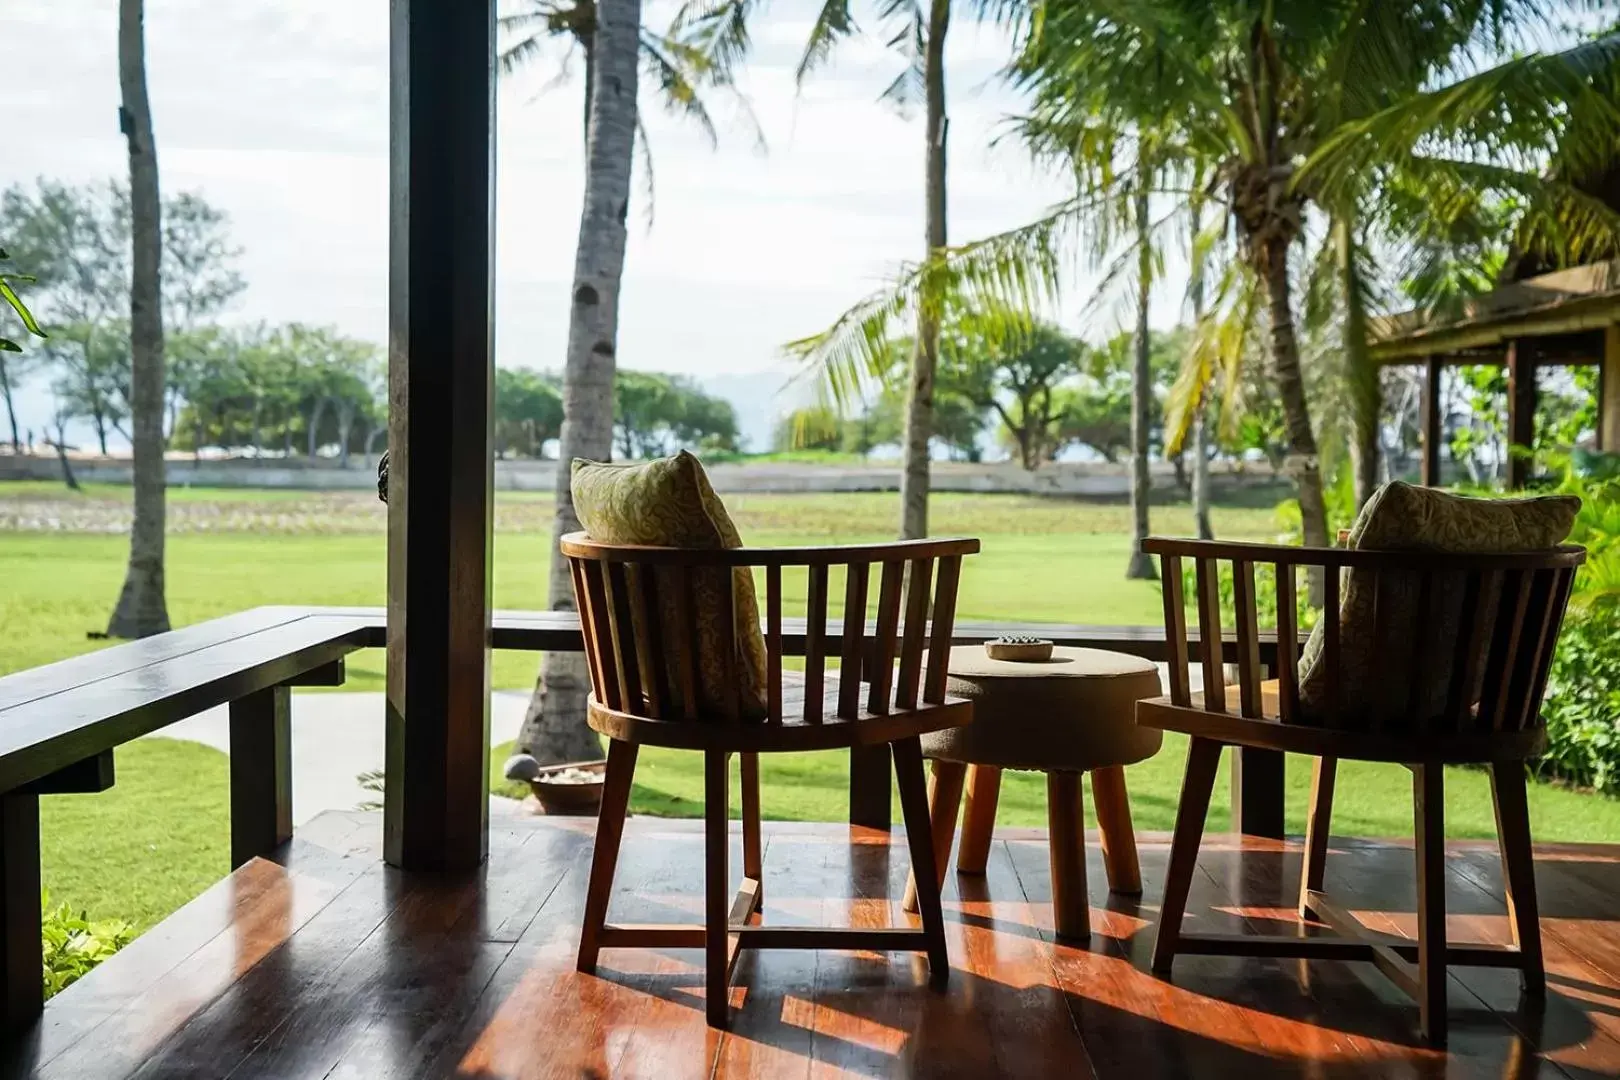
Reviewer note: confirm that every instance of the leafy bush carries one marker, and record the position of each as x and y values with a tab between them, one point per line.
1582	706
74	944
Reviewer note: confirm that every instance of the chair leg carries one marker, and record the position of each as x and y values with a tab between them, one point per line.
752	849
1323	773
908	773
1114	829
1203	758
978	819
1519	872
944	797
1066	843
621	771
717	883
1428	797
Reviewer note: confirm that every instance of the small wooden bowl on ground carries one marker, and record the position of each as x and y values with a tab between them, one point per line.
558	797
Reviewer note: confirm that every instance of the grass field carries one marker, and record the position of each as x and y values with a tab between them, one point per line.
157	838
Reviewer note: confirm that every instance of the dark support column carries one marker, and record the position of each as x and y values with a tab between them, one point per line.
261	773
1431	422
22	992
1257	792
1608	424
440	374
1521	427
870	796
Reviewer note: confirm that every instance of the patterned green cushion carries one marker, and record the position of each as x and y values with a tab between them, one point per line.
1375	672
669	503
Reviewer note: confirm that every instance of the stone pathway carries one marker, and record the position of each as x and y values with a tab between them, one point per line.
336	737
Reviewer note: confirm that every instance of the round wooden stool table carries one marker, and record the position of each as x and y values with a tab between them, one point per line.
1070	714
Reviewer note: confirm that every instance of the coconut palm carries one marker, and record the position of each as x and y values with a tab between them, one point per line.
1294	105
142	609
554	728
917	30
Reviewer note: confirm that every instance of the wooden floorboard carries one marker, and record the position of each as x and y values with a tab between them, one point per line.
325	963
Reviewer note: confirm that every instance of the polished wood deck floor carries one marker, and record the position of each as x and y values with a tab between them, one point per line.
327	964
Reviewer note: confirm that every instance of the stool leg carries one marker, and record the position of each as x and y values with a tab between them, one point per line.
616	784
944	797
978	818
1114	828
1066	826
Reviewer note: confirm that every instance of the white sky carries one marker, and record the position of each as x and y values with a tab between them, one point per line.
277	111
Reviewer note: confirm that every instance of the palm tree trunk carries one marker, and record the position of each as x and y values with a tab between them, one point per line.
142	609
1200	431
554	729
1361	377
1303	461
925	359
11	411
1141	563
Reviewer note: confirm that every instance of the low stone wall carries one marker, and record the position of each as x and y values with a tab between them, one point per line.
1064	478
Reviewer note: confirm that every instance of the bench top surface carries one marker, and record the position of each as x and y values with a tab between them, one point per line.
55	715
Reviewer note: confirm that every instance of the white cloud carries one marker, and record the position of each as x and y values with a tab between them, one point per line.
277	111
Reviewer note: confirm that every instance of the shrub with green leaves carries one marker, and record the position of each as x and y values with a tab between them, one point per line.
74	944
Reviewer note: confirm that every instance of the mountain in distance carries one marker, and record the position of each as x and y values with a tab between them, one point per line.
761	398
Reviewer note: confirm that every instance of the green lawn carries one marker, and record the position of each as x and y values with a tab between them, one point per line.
157	838
148	845
1370	800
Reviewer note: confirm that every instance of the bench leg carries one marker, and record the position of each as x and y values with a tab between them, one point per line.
21	953
1066	829
944	798
261	773
978	819
1115	830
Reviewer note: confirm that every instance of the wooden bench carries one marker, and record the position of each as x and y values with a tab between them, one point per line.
60	723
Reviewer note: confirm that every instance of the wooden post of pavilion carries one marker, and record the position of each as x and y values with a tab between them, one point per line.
440	376
1608	425
1431	422
1521	426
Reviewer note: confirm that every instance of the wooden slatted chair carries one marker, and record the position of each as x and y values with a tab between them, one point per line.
644	657
1460	643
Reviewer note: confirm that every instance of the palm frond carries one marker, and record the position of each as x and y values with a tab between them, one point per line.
834	24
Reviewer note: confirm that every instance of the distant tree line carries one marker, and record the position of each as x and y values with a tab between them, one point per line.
255	390
1033	393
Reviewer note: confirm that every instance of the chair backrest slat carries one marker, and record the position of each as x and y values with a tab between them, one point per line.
888	625
1421	661
1331	656
1480	588
622	626
588	626
1563	584
849	664
918	582
815	644
682	637
1247	628
1533	639
730	668
1495	703
1287	644
602	638
773	643
644	611
1175	628
1211	645
939	645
